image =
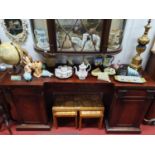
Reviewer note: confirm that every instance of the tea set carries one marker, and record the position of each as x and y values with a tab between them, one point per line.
64	72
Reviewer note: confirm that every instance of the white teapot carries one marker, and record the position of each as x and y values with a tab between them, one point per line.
83	71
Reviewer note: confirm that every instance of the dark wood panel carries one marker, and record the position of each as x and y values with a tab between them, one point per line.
77	87
29	103
150	67
151	111
29	110
28	107
128	109
128	113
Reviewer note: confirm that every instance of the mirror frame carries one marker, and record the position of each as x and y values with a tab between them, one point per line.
19	38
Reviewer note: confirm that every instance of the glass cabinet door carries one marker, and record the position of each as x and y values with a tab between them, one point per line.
78	35
115	34
40	32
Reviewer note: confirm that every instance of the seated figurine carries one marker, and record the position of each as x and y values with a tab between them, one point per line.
37	67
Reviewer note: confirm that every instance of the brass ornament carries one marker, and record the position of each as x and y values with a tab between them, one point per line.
141	47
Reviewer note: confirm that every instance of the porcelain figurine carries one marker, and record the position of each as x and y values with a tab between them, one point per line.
27	76
104	76
132	72
46	73
83	71
37	67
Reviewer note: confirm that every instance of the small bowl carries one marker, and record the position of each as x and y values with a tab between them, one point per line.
2	68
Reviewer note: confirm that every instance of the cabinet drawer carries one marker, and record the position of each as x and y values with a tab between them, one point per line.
25	91
79	88
132	93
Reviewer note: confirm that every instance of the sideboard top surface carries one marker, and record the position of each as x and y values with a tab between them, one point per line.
5	80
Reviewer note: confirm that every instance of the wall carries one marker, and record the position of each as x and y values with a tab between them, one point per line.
134	29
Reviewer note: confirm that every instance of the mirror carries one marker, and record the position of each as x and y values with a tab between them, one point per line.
78	35
15	29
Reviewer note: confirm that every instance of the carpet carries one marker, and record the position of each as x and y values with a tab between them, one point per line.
146	130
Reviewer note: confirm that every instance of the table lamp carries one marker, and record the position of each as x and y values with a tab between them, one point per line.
142	42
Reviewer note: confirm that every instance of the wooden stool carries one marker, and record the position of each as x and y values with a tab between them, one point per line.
89	106
91	114
64	114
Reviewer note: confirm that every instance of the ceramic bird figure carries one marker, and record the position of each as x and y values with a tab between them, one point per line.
46	73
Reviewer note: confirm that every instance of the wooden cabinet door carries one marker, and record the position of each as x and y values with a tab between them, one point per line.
128	112
150	115
129	107
29	104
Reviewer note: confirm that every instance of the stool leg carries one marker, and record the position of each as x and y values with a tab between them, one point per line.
100	122
76	123
80	123
55	122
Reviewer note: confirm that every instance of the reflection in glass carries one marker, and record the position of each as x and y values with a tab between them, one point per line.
41	34
116	34
78	34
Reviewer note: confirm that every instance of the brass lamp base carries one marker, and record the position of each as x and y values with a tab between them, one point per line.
136	62
137	67
141	47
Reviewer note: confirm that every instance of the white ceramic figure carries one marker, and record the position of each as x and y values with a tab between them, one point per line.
77	42
83	71
87	42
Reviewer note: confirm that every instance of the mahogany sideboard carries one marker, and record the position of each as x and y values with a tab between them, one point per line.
31	102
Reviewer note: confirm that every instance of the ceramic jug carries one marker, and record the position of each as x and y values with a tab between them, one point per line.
108	59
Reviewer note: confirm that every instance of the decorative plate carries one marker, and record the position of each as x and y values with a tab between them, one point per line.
130	79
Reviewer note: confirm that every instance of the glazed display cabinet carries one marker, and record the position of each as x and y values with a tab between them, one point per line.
78	36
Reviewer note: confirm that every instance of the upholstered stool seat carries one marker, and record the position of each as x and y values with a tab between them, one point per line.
68	113
91	114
